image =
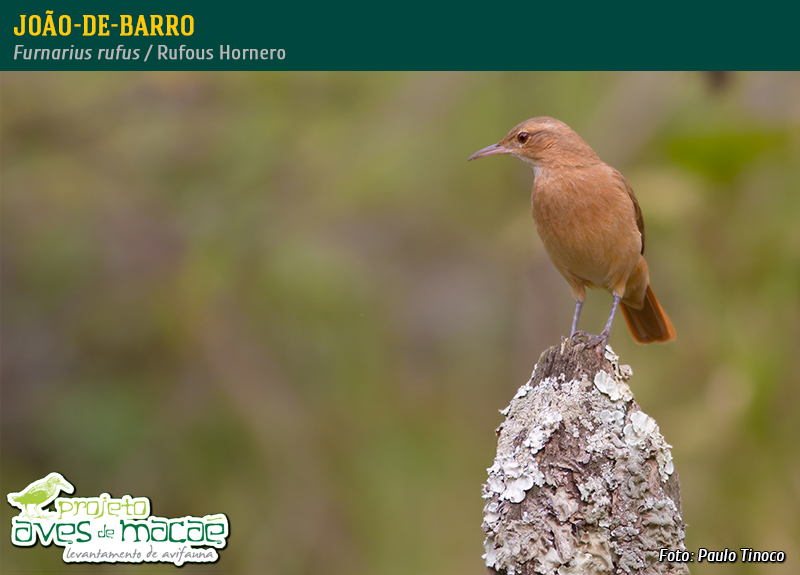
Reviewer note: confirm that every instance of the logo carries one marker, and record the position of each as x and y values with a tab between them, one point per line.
108	530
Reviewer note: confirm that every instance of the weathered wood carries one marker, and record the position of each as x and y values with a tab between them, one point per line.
583	481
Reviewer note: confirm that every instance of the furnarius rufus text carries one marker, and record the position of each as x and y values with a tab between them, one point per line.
590	224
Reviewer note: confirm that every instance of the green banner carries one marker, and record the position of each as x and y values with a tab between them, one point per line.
408	36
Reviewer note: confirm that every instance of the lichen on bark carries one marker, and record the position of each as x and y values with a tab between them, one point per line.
583	482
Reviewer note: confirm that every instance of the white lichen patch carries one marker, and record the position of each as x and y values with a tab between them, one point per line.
490	555
623	371
664	458
516	488
523	391
615	388
571	489
639	429
643	428
491	512
612	417
539	434
510	478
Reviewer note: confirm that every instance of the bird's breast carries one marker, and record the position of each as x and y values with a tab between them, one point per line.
589	231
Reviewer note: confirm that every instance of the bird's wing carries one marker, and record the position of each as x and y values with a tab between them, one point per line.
636	209
38	492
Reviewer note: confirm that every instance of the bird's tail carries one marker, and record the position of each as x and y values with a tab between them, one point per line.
650	323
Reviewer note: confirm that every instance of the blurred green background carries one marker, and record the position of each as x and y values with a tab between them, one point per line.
289	298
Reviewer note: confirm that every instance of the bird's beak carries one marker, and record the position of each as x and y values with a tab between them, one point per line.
489	151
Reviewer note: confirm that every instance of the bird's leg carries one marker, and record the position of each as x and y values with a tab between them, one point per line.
579	293
599	342
601	346
578	306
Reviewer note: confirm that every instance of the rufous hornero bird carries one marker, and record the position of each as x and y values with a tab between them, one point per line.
590	224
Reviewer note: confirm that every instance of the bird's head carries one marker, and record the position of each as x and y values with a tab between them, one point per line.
541	141
56	479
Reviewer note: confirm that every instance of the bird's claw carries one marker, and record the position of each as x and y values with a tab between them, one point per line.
597	342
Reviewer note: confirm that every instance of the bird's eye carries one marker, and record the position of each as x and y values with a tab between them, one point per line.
522	137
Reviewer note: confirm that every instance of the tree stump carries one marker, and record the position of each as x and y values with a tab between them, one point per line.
583	481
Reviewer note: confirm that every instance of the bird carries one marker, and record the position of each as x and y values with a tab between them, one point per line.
39	493
590	224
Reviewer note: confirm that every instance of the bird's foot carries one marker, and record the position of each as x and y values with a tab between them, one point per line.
596	342
35	514
580	336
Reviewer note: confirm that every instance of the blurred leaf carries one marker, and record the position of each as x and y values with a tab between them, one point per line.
722	156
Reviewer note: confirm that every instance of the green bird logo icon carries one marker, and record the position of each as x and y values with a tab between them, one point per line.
38	494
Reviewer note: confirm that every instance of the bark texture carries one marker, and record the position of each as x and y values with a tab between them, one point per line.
583	481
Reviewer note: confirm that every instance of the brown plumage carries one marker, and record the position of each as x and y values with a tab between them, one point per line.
590	224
